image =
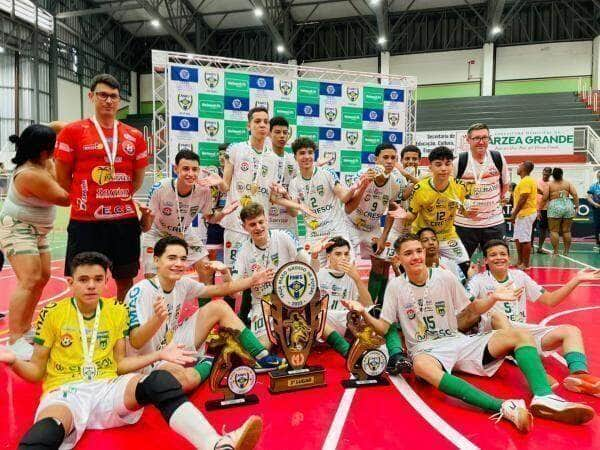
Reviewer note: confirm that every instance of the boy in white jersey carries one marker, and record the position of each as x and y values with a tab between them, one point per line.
432	254
287	169
434	310
384	184
319	189
89	386
514	314
172	206
156	306
267	249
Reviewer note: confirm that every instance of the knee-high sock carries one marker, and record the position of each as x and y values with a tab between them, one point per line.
468	393
252	344
374	285
393	341
576	361
531	365
339	344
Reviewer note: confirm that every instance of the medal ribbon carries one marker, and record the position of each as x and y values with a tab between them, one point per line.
88	351
112	153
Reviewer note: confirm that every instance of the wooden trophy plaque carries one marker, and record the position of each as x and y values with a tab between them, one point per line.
365	361
230	374
294	319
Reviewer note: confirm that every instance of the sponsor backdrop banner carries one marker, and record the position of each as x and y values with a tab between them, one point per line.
510	141
209	106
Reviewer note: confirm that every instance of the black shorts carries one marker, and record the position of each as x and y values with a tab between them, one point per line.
477	237
119	240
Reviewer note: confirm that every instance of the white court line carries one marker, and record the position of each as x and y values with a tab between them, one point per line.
577	262
335	430
440	425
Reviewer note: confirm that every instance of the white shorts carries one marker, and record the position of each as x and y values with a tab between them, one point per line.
338	320
454	249
524	228
388	252
196	249
232	242
362	241
538	331
462	353
257	325
98	405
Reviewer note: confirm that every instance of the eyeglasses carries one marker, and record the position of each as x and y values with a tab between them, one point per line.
104	96
480	138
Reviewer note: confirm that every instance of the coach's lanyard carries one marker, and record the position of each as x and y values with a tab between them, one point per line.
478	172
257	162
111	153
181	220
309	188
89	369
265	258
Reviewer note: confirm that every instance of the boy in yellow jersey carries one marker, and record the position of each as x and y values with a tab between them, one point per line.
524	213
79	354
434	204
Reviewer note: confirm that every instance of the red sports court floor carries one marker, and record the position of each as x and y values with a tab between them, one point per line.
406	414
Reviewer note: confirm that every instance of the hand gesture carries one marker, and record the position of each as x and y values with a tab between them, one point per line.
211	179
353	305
588	275
306	211
176	354
398	213
144	209
160	308
379	246
322	244
350	269
507	293
324	161
474	268
7	356
216	266
263	276
230	208
278	189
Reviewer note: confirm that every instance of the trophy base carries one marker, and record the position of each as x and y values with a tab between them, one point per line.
295	380
368	382
238	400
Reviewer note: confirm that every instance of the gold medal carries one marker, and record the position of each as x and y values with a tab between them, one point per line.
112	172
313	224
253	188
169	337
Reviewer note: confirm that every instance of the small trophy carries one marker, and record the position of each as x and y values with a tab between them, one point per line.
230	375
365	361
294	319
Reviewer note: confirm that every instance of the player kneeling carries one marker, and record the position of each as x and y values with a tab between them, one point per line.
84	384
434	310
514	314
156	306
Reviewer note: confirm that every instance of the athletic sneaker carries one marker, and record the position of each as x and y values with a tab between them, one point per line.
552	381
269	363
21	348
583	383
556	408
244	438
516	412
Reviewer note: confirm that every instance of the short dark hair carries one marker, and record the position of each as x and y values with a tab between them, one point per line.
410	149
34	140
402	239
547	168
494	243
278	121
303	142
528	165
384	146
557	174
89	259
423	230
477	126
251	211
338	242
441	153
161	246
107	79
255	110
186	154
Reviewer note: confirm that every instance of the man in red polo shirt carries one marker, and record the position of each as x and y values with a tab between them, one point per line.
101	162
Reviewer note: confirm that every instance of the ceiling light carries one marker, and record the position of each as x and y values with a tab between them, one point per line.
374	2
496	29
382	40
1	49
155	23
258	12
280	48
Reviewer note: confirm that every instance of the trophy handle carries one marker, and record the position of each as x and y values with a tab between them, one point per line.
323	315
266	309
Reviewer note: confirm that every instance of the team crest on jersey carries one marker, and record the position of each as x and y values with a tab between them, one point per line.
320	190
103	340
211	127
185	101
167	211
128	147
211	79
66	340
352	93
244	166
385	199
410	313
331	113
393	118
440	308
352	137
264	170
285	87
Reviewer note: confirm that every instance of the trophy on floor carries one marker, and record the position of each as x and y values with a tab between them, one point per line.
364	361
230	374
294	318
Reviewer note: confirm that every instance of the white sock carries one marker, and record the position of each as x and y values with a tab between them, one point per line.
190	423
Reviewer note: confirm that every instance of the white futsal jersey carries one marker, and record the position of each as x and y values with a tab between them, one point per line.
140	300
337	286
318	194
483	284
173	213
426	313
253	174
287	169
374	202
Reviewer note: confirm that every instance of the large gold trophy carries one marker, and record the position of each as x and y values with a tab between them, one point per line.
294	318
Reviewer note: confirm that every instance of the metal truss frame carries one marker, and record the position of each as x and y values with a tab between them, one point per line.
160	94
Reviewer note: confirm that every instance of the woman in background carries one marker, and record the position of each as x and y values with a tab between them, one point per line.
26	218
562	206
